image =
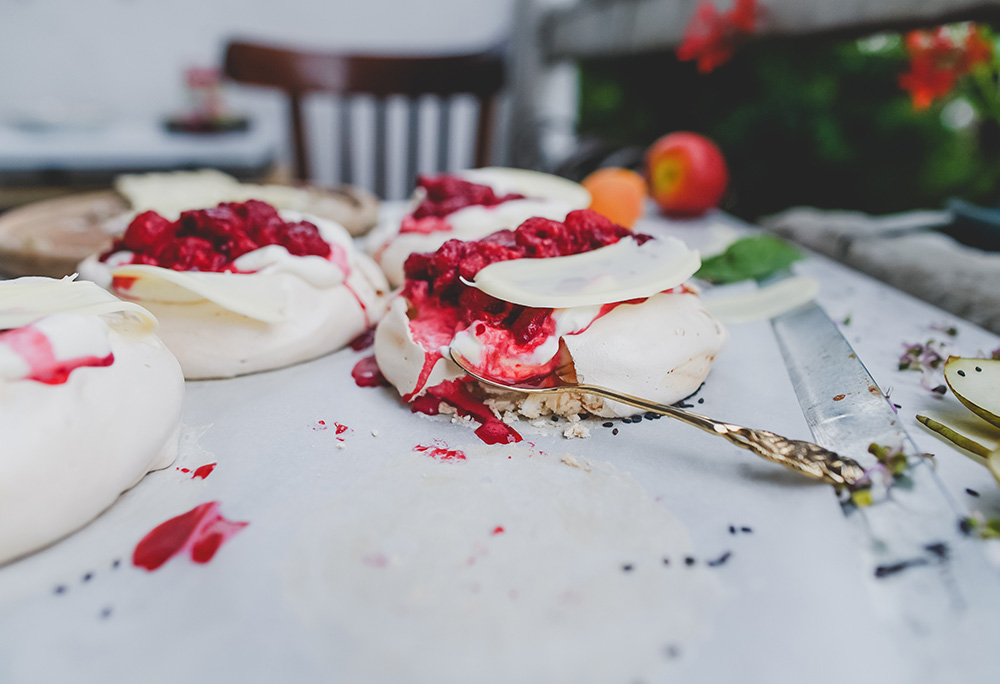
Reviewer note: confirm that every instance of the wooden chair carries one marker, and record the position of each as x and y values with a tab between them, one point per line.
299	73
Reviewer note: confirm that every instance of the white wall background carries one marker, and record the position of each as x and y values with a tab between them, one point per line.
126	58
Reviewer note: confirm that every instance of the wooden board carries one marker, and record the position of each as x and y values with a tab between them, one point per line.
49	238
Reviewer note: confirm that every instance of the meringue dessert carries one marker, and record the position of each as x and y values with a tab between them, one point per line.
585	296
240	288
90	401
467	206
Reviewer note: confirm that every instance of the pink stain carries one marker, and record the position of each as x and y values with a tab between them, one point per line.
424	226
199	533
375	560
497	530
439	451
320	425
123	283
32	345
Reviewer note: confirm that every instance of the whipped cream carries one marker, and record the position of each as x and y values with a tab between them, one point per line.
279	310
71	446
546	196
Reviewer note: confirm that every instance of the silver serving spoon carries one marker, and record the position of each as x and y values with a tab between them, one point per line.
802	457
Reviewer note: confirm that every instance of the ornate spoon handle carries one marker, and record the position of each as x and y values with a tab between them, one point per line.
803	457
806	458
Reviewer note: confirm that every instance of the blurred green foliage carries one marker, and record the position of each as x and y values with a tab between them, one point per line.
801	122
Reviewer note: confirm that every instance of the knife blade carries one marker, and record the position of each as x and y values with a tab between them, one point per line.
927	576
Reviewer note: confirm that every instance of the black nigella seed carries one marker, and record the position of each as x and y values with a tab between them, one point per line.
115	563
720	560
627	567
978	369
966	525
106	613
746	529
60	589
898	406
701	400
615	431
555	419
962	373
649	416
939	549
666	561
672	651
971	492
732	529
689	561
940	389
89	576
608	424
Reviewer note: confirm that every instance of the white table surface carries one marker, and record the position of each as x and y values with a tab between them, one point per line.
373	562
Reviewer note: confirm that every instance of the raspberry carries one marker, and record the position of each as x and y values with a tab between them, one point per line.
447	194
145	230
544	238
189	254
302	238
211	239
530	323
437	275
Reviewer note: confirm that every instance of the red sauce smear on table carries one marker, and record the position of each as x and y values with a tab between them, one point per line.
204	471
199	533
366	373
455	393
439	451
32	345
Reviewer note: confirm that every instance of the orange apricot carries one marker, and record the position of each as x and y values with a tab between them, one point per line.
617	193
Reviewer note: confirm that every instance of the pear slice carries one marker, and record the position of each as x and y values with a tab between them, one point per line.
964	430
979	439
976	383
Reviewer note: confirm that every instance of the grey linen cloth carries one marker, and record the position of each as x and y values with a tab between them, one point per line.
904	251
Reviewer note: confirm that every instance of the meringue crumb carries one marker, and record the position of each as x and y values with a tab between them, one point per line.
341	445
576	429
573	463
374	433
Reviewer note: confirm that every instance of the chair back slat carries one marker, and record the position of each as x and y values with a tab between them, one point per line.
412	142
381	148
298	136
299	73
346	142
443	134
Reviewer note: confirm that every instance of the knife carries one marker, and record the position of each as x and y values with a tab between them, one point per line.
931	578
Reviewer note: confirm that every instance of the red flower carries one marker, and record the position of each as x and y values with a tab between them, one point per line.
937	62
711	36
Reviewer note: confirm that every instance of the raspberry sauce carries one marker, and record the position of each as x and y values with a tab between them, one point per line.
199	532
35	348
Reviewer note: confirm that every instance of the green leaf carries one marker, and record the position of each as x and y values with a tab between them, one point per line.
750	257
